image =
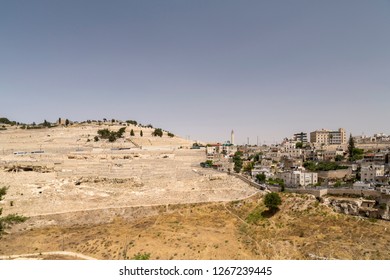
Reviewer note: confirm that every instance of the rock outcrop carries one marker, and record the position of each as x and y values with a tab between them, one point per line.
358	207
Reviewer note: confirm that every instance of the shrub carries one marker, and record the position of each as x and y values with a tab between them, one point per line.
139	256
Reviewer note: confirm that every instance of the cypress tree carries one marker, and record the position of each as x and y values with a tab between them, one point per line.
351	147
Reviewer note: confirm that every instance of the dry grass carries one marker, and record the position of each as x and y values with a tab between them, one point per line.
302	229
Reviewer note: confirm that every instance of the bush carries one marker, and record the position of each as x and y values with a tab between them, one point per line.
139	256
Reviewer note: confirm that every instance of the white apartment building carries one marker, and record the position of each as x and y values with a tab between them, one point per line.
299	178
370	172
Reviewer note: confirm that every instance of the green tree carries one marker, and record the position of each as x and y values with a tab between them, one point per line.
103	133
357	154
272	201
157	132
141	134
299	145
261	178
237	161
132	122
351	147
170	134
323	166
5	121
46	123
132	132
120	132
248	166
112	138
257	157
9	219
67	122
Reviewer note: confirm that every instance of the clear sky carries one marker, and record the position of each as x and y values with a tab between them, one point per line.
266	69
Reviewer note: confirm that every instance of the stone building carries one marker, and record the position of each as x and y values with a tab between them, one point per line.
298	178
328	137
369	173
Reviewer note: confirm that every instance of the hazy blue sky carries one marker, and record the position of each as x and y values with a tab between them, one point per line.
200	68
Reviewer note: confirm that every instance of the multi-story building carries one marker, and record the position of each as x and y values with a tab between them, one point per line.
369	173
300	137
328	137
299	178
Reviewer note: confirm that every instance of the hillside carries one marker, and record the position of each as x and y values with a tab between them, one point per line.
302	229
112	200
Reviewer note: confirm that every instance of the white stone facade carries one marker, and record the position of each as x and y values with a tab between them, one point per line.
299	178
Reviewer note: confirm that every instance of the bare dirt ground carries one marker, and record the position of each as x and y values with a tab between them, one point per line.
113	201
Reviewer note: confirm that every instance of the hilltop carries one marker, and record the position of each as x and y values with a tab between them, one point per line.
60	138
